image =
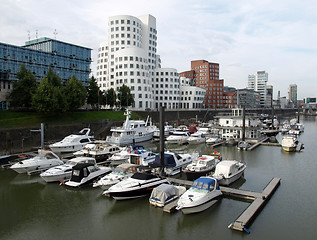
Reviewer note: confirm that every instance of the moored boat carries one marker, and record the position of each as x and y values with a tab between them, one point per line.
228	171
165	193
289	143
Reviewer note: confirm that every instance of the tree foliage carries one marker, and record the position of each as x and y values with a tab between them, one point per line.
23	90
49	96
75	94
110	97
125	98
92	92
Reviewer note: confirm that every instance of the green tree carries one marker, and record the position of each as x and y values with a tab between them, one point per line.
23	90
75	94
110	97
49	96
125	97
92	92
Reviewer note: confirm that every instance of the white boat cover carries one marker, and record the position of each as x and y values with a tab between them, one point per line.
164	192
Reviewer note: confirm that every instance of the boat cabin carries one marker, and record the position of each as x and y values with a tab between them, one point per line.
82	170
205	184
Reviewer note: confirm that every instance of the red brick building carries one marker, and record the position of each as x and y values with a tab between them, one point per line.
229	99
205	75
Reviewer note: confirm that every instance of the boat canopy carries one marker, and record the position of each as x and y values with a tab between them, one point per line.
164	193
205	183
169	161
80	171
143	176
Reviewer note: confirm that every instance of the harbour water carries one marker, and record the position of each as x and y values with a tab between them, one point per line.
32	209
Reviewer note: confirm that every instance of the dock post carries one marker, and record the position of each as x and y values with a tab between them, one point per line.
162	142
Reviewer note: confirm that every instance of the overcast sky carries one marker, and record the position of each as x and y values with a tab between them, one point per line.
243	36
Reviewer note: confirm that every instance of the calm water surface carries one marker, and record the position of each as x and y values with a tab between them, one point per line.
32	209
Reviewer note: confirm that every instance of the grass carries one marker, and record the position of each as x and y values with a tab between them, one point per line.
11	119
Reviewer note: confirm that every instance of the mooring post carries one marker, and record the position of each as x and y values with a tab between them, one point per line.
162	142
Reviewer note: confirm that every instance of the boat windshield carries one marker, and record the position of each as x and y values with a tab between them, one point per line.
202	186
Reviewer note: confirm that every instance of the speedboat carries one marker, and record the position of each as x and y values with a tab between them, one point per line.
201	166
132	131
121	172
196	138
141	157
174	163
43	161
289	143
123	156
86	173
228	171
73	142
178	137
203	193
64	172
168	129
99	150
213	139
165	193
138	185
243	145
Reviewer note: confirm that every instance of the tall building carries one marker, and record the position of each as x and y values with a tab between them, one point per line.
205	75
38	55
257	82
292	93
129	57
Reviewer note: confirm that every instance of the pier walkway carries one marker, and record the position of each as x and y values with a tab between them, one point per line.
258	144
246	218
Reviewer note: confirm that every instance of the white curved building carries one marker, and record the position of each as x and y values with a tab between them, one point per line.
129	57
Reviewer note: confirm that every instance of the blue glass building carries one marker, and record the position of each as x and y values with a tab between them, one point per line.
38	55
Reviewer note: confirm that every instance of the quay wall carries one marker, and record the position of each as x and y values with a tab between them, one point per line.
22	139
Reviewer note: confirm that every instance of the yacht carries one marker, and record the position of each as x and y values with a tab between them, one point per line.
43	161
243	145
214	139
121	172
174	163
289	143
124	155
228	171
138	185
99	150
196	138
201	166
132	131
64	172
141	157
73	142
178	137
86	173
165	193
203	193
168	129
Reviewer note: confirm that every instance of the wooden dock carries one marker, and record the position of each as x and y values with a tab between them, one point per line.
299	147
217	144
258	144
258	200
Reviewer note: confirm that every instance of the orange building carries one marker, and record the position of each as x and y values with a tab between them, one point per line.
205	75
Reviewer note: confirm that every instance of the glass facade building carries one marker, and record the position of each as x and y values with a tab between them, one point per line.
65	59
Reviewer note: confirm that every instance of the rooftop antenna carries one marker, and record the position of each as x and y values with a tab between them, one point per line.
29	36
55	33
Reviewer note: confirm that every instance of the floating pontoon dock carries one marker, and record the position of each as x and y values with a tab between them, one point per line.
246	218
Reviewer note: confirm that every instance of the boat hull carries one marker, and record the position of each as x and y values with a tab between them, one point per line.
193	175
201	206
56	178
228	181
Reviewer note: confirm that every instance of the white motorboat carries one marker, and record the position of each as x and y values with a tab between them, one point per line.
243	145
196	138
43	161
121	172
168	129
73	142
289	143
141	157
214	139
201	166
84	174
64	172
174	163
99	150
203	193
138	185
132	131
178	137
228	171
123	156
165	193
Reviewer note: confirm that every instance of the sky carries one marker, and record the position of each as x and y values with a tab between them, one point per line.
243	36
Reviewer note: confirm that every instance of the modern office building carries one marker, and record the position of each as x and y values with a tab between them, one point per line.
38	55
292	93
257	82
205	75
129	57
191	97
248	98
